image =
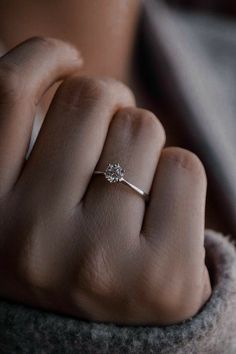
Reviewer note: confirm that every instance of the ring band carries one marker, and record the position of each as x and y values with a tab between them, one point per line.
114	173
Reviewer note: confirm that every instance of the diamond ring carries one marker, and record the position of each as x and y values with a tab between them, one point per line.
114	173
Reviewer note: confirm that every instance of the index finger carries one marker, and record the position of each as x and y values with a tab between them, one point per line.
26	72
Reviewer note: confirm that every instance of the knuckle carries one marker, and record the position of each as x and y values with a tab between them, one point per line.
31	272
185	159
126	118
43	42
181	310
178	294
87	91
52	47
36	277
79	91
178	305
95	276
186	306
35	271
94	89
142	122
118	88
149	123
12	87
10	82
183	296
31	265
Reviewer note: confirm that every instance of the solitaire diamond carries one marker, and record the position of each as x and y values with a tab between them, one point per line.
114	173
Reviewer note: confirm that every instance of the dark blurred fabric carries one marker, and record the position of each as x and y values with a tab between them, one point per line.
188	57
213	6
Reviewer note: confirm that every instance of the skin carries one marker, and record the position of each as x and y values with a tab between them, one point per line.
105	40
70	241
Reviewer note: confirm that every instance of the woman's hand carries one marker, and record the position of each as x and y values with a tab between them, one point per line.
70	241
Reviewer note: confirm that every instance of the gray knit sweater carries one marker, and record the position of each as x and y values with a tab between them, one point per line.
213	330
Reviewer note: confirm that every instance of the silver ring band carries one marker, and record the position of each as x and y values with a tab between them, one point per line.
114	173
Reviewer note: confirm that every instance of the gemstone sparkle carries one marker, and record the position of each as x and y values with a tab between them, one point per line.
114	173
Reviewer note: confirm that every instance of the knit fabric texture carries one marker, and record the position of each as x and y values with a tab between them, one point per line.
27	330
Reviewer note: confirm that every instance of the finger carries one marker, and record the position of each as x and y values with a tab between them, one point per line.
174	220
26	72
72	137
135	140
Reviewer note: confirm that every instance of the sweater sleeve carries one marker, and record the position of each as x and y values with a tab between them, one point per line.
212	330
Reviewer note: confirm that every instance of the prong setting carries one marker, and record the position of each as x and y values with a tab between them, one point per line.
114	173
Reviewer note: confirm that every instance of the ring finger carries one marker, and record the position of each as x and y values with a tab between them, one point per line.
135	140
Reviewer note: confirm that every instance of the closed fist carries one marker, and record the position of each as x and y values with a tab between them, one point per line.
72	242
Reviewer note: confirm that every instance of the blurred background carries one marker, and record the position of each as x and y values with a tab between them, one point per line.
187	52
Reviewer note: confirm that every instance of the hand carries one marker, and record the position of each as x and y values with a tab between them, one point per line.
70	241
